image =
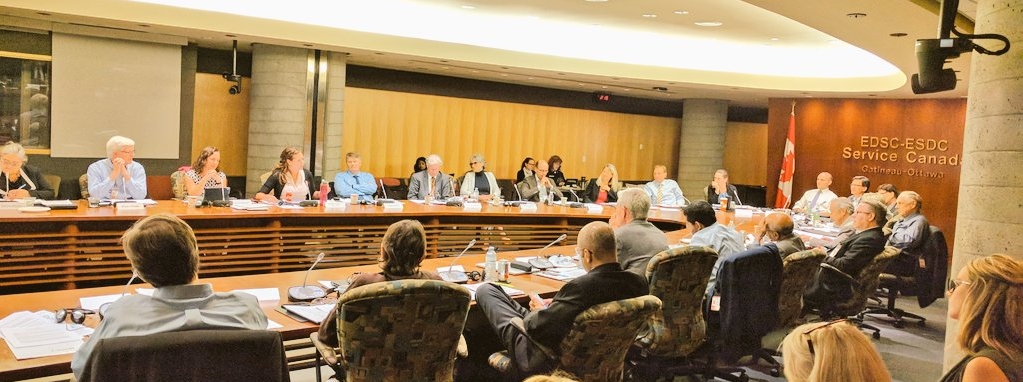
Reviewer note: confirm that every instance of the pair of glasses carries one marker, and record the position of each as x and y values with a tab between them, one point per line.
474	276
809	342
953	284
77	315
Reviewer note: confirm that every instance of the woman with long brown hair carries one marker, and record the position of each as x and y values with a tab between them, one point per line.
289	181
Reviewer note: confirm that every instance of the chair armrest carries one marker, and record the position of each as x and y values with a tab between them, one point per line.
841	274
328	353
462	351
521	326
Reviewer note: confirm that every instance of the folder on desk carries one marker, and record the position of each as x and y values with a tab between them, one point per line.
314	313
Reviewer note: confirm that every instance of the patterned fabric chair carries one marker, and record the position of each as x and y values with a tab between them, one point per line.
191	355
405	330
178	184
798	270
594	348
864	286
83	183
679	278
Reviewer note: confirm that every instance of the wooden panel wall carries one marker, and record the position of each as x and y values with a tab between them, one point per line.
746	157
390	129
221	120
830	133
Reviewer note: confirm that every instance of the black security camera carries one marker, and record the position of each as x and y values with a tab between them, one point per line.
235	89
931	56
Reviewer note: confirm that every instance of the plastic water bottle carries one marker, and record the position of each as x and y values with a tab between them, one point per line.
324	190
490	272
475	194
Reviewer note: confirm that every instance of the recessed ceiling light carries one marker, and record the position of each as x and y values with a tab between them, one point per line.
708	23
445	67
681	12
604	87
650	15
468	7
856	15
898	34
475	71
504	74
596	1
774	39
42	13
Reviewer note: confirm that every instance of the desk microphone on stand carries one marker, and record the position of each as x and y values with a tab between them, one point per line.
305	292
578	202
454	276
540	261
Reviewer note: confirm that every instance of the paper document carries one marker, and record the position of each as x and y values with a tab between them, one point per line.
263	294
507	289
41	341
271	325
94	302
314	313
562	274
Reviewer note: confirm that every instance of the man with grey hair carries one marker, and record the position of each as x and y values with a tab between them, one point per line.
850	256
119	176
354	181
841	217
909	234
431	182
638	240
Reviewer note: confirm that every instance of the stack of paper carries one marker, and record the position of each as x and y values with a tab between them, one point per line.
562	274
32	335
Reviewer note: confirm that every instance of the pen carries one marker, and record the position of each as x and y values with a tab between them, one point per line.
22	187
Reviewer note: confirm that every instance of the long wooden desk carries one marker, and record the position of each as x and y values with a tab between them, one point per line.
67	249
12	369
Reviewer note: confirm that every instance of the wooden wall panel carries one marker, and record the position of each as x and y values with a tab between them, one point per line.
390	129
829	133
221	120
746	157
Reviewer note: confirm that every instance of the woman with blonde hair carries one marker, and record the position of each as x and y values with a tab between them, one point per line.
835	351
605	188
987	299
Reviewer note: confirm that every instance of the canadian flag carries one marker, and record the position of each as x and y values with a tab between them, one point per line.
788	166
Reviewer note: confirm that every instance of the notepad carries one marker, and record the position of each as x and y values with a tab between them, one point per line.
313	313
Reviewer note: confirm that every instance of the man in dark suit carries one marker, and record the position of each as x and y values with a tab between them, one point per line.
538	187
850	256
431	182
548	323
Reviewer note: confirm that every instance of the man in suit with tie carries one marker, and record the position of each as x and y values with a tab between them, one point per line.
818	199
850	256
538	187
431	182
663	191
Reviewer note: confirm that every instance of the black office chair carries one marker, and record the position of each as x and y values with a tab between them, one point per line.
194	355
928	282
863	285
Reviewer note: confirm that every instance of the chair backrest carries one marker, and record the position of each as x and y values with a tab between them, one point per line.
159	187
798	270
396	188
54	181
404	330
594	348
867	280
931	278
194	355
178	184
458	184
83	182
264	176
748	283
679	278
507	187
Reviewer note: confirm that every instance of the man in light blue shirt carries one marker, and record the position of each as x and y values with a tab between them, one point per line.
119	176
664	191
707	232
353	181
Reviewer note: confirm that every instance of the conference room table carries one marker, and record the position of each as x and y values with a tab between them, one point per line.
562	219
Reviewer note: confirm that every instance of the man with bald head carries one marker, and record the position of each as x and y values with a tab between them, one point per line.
777	228
816	200
539	188
548	323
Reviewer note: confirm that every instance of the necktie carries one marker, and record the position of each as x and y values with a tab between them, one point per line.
356	178
660	193
433	185
813	203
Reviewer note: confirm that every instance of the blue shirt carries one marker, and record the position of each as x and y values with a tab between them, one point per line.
671	194
723	239
100	184
362	184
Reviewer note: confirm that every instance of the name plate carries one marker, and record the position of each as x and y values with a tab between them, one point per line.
335	205
527	207
743	213
130	206
393	206
594	208
472	206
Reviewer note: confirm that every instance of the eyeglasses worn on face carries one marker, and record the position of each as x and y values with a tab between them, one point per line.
953	284
809	342
11	163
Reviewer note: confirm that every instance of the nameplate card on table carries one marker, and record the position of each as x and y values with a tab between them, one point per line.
393	206
594	208
129	207
527	207
335	205
248	205
743	213
472	206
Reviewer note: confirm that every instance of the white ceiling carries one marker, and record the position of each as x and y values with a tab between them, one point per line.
797	25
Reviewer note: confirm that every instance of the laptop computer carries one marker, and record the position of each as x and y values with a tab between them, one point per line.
220	193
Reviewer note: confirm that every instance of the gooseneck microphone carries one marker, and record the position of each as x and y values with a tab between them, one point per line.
307	292
541	261
454	276
517	191
737	200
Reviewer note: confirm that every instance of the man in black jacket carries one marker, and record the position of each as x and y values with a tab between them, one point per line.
850	256
605	281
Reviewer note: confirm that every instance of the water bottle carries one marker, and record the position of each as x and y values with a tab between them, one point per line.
324	190
490	272
475	194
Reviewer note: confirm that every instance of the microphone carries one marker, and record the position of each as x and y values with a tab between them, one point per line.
517	191
454	276
578	202
541	261
737	201
307	292
103	308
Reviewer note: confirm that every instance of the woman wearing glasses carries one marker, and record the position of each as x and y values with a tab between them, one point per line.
19	180
835	351
528	165
987	299
477	178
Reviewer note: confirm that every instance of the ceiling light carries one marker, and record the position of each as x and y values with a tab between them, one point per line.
681	12
468	7
230	35
898	34
650	15
774	39
856	15
708	23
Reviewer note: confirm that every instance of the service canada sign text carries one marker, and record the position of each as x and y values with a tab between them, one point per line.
880	153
